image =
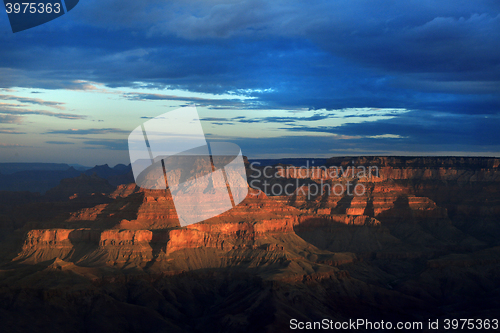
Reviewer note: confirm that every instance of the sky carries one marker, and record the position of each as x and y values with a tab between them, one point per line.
279	78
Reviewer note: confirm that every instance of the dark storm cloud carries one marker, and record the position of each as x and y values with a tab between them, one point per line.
110	144
314	117
89	131
12	145
10	131
60	142
452	40
9	119
215	119
326	146
38	101
437	57
16	110
195	100
241	119
422	127
216	47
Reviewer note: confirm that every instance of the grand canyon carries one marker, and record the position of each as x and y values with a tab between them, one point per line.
93	252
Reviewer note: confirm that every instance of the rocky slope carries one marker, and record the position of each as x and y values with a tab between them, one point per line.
419	242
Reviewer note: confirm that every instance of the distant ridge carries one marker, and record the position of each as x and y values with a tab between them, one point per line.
40	177
10	168
80	167
298	162
417	161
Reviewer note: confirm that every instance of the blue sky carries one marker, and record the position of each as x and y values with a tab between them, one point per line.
279	78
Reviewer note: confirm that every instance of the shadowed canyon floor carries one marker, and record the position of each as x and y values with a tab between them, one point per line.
420	242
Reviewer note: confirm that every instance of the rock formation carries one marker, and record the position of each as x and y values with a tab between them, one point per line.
421	241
